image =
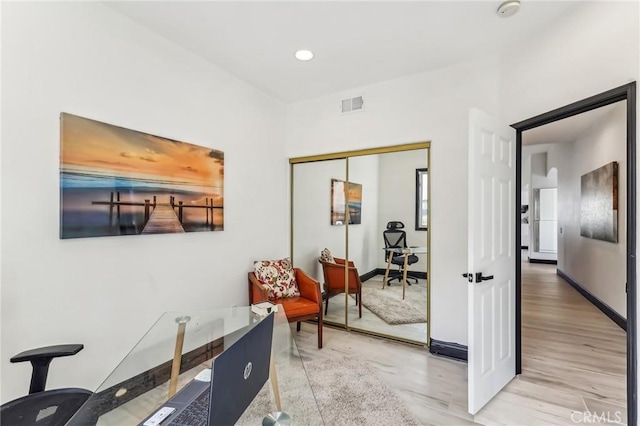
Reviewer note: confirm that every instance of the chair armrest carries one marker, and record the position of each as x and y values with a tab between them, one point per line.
340	266
342	262
257	291
334	276
47	352
40	359
309	288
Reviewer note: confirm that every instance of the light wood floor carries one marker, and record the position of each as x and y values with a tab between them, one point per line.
573	361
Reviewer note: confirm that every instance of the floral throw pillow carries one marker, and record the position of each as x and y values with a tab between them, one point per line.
278	276
326	256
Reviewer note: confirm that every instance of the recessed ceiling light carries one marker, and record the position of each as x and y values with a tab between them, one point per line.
304	55
508	8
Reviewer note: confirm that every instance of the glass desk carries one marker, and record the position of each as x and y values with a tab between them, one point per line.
406	251
141	383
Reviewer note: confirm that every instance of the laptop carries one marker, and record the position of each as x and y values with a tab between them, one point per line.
237	376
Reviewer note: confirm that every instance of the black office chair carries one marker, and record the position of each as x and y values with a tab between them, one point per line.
395	237
47	408
40	407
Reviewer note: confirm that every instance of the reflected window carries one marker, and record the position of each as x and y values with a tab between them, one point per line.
422	199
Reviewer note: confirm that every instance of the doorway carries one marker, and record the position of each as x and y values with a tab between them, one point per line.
622	93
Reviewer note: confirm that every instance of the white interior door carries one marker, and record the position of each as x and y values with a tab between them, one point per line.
492	362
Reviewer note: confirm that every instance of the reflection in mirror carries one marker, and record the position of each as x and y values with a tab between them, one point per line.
422	199
342	210
387	208
318	212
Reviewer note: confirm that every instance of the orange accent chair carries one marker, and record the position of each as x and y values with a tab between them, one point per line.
334	281
301	308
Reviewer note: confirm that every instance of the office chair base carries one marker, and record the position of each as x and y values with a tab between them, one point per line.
399	279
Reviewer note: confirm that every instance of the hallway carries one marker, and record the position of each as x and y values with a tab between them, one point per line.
573	358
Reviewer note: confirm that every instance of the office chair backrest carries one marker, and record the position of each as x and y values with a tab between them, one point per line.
48	408
394	236
395	225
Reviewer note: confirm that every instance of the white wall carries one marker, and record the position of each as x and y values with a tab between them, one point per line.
599	266
426	107
86	59
398	198
312	229
579	55
364	240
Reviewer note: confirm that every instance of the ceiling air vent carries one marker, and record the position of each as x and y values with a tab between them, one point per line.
353	104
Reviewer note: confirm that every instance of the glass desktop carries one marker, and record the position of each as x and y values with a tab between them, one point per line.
188	342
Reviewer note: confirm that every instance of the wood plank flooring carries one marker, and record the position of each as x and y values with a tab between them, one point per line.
573	361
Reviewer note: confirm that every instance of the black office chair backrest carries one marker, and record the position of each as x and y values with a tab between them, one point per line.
47	408
394	237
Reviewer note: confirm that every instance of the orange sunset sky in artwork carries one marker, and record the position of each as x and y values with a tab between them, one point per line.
93	147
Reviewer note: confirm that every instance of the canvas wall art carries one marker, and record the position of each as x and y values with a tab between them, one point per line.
117	181
599	203
342	191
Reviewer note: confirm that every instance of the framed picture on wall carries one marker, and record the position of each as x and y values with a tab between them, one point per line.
599	203
343	194
117	181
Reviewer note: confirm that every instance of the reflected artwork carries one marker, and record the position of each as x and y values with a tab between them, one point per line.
338	197
599	203
116	181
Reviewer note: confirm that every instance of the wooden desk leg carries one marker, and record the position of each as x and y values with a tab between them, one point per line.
386	274
404	275
274	383
177	355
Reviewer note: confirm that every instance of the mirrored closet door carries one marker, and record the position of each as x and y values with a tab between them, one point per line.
370	211
318	218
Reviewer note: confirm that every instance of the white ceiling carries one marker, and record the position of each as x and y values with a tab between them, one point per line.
566	130
355	43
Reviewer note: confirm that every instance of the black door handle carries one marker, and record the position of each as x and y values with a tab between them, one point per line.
480	278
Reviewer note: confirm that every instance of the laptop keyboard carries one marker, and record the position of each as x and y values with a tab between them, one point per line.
196	413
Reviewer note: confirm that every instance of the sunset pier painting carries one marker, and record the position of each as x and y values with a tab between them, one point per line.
116	181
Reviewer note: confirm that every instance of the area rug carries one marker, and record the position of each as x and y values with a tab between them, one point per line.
347	392
387	303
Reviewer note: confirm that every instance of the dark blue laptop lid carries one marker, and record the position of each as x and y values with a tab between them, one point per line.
239	373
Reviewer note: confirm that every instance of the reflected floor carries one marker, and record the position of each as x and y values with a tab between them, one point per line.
372	322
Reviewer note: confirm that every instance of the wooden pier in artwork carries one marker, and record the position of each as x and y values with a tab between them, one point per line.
163	220
158	217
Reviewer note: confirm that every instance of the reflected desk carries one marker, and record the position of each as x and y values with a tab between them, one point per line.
143	381
406	252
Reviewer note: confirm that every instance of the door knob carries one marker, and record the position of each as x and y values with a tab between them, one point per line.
480	278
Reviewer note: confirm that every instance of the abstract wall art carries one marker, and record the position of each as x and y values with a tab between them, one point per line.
116	181
346	192
599	203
